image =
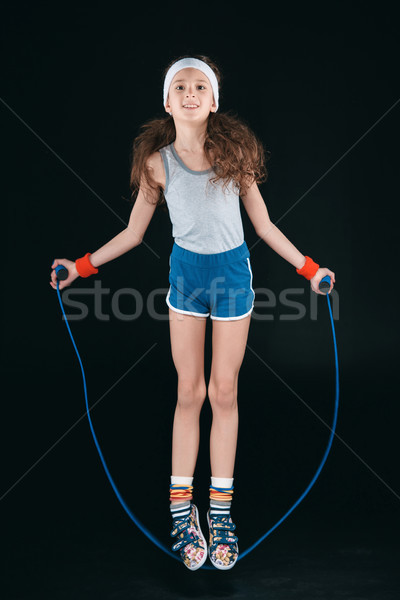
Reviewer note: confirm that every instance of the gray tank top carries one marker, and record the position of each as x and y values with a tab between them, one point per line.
205	217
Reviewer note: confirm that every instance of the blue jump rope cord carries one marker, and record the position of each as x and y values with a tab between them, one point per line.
137	522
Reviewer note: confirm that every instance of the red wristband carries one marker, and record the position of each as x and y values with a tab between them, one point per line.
309	268
84	266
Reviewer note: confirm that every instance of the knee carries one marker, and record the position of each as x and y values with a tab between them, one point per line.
191	394
223	395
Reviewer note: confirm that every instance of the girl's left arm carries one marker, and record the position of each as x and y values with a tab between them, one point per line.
267	231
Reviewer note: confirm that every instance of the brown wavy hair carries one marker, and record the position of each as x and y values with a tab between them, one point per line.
230	146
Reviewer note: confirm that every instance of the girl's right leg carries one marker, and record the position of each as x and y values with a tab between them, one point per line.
187	345
187	334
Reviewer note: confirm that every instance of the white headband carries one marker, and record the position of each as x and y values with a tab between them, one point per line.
195	63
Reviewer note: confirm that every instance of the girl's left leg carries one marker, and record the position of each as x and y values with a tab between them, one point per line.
229	340
229	345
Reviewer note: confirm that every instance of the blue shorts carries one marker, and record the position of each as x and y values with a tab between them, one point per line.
219	285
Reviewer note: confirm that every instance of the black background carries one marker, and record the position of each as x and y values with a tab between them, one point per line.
314	82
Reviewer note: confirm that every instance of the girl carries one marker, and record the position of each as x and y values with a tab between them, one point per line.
199	162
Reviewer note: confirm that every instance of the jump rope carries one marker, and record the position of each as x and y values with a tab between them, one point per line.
324	286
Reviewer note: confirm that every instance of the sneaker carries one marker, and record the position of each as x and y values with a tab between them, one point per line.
223	549
191	541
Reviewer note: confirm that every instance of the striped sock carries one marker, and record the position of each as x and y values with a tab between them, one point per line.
180	489
180	510
221	490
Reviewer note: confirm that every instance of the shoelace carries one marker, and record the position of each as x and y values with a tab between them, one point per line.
222	527
180	526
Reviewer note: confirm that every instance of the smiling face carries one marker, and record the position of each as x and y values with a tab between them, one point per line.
190	95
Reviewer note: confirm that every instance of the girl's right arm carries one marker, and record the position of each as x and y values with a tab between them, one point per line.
129	238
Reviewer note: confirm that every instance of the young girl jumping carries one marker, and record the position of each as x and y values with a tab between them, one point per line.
200	162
